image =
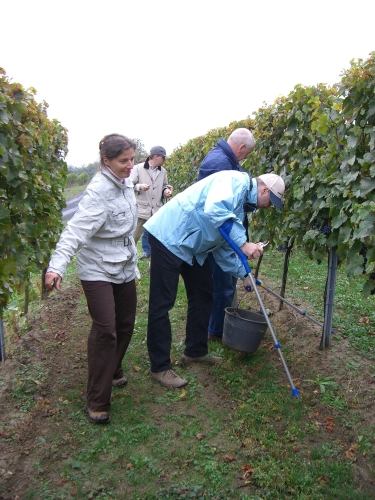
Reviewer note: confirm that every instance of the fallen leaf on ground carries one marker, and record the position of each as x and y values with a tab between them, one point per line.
329	424
62	481
200	435
364	319
248	470
228	458
350	453
136	368
182	394
255	368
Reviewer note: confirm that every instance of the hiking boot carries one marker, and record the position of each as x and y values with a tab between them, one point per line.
169	378
120	382
215	338
208	359
98	417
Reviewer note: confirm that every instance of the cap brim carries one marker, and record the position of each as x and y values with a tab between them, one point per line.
275	200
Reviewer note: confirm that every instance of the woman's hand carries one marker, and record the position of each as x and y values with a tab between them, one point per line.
144	187
52	280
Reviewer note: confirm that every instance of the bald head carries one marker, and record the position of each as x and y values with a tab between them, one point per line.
241	142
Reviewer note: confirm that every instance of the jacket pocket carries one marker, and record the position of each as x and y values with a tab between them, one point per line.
121	220
113	264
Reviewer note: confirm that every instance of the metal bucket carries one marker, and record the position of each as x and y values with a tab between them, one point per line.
243	330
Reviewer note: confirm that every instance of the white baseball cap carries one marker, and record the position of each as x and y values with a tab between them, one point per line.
276	186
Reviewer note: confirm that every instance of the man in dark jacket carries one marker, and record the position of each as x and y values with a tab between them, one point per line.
226	155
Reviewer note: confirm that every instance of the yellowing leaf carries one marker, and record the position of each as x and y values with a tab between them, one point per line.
364	319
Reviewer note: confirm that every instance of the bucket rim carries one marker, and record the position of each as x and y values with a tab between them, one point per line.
228	310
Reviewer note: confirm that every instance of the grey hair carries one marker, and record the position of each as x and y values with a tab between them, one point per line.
242	136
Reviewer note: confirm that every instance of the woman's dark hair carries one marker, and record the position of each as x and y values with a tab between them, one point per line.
113	145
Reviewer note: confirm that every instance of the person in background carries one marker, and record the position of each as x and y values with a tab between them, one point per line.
150	186
182	234
100	233
224	156
145	245
144	239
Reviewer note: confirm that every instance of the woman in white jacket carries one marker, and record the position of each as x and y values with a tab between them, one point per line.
101	233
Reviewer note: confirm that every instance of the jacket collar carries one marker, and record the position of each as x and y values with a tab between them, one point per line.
228	151
251	199
126	184
148	166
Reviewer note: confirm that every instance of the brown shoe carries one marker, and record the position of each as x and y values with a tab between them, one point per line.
120	382
215	338
169	378
99	417
208	359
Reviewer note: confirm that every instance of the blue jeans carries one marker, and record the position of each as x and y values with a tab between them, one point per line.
224	288
144	242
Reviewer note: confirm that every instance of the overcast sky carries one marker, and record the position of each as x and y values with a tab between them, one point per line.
167	71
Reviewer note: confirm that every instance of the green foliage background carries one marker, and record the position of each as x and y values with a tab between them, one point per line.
32	177
320	139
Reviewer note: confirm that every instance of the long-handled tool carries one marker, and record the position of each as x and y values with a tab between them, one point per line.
224	231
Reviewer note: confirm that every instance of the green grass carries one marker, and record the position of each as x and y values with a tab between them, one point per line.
72	191
234	432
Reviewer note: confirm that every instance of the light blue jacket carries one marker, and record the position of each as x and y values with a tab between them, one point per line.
188	224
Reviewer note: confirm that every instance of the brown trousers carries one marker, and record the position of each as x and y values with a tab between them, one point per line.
112	308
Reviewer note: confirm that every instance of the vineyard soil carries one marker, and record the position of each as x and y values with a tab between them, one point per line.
35	438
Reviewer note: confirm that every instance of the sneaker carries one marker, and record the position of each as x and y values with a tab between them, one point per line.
215	338
208	359
145	256
98	417
120	382
169	378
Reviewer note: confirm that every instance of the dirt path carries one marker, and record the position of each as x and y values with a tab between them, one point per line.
47	352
